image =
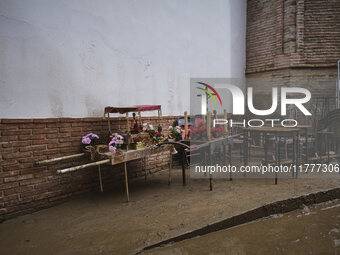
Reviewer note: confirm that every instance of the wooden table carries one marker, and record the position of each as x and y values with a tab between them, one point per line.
126	156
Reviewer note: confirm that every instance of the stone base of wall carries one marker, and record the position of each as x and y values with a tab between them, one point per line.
25	188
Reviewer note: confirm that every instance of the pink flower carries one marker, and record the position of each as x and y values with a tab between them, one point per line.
198	122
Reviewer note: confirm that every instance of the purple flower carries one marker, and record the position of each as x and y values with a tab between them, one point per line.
112	148
94	136
119	142
86	140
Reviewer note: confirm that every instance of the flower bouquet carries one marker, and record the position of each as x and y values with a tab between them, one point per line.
89	139
90	146
116	142
158	137
175	133
138	142
218	131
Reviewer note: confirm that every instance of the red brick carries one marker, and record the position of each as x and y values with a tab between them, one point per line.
16	132
8	173
33	148
52	146
31	137
9	150
8	138
63	120
31	181
17	155
33	170
18	190
8	126
18	178
50	120
17	166
45	131
49	141
69	139
17	144
70	129
63	135
49	152
31	126
9	185
57	125
11	121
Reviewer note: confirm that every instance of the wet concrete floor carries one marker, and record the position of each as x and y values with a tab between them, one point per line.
97	223
311	230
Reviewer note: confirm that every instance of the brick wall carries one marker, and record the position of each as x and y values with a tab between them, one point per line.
297	40
26	188
292	34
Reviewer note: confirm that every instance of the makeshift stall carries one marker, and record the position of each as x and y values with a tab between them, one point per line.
103	154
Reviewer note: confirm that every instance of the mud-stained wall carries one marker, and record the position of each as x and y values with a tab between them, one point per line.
73	58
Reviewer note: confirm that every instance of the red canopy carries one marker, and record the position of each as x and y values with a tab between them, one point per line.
135	108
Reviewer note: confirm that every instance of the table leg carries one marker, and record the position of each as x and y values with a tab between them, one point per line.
245	149
294	155
265	149
210	162
230	162
100	178
297	153
183	167
126	183
306	134
327	144
277	152
145	170
170	167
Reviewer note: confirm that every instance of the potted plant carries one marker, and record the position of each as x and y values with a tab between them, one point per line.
138	143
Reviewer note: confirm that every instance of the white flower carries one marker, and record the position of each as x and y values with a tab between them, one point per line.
151	127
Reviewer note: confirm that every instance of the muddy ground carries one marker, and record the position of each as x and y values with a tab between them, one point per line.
97	223
311	230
